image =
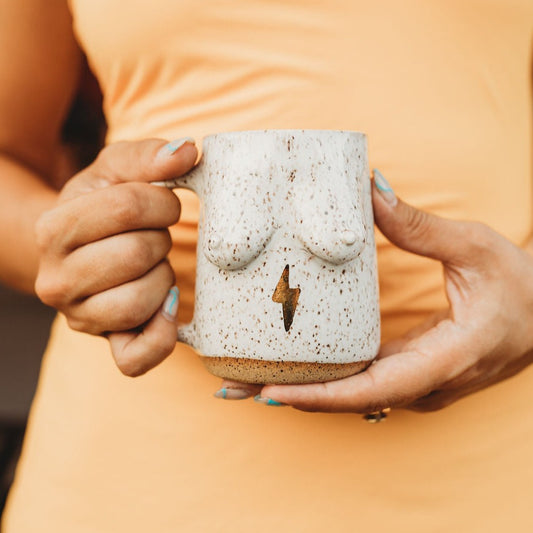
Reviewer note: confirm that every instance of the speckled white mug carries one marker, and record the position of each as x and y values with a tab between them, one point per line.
286	287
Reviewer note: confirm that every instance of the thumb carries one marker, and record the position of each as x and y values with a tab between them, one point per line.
417	231
145	161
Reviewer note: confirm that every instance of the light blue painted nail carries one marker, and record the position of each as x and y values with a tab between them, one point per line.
384	188
232	394
381	182
173	146
170	307
273	402
267	401
222	393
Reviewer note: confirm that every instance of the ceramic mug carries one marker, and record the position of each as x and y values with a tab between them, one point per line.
286	281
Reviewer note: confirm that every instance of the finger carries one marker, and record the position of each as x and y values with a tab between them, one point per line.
101	265
128	256
144	161
397	345
425	234
437	400
235	390
394	381
124	307
137	352
106	212
462	387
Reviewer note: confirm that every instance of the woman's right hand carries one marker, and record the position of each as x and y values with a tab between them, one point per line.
103	250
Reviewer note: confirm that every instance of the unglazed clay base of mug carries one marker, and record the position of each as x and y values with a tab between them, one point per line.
280	372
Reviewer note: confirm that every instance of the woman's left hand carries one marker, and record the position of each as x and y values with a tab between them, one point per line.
484	337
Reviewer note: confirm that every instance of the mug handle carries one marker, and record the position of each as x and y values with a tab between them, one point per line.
191	181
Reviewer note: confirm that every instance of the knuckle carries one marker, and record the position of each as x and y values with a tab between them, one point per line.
86	316
478	246
76	324
142	255
51	290
100	164
417	224
103	154
128	204
79	324
169	274
161	346
165	241
132	368
481	236
168	345
131	316
108	153
45	290
45	230
173	211
124	310
163	275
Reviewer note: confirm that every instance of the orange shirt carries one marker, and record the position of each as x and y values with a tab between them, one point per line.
442	89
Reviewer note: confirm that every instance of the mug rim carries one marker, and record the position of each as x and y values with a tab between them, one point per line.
283	130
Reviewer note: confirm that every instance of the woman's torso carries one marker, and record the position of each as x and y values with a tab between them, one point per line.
442	90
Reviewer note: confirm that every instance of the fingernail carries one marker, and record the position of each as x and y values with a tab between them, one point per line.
267	401
384	188
232	394
173	146
170	307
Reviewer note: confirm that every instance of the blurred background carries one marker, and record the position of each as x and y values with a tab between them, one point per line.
24	320
24	324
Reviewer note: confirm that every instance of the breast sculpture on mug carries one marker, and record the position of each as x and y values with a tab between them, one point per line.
286	281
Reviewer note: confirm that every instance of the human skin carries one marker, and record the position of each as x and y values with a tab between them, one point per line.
483	338
103	250
50	236
37	50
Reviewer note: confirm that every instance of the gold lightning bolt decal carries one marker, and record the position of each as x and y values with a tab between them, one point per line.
287	297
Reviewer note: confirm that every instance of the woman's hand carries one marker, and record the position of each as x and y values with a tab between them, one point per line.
103	250
484	337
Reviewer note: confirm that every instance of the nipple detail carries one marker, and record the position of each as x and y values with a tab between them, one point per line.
348	237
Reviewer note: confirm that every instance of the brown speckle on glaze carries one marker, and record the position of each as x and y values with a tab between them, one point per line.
262	211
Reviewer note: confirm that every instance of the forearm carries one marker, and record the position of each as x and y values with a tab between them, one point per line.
40	64
24	196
